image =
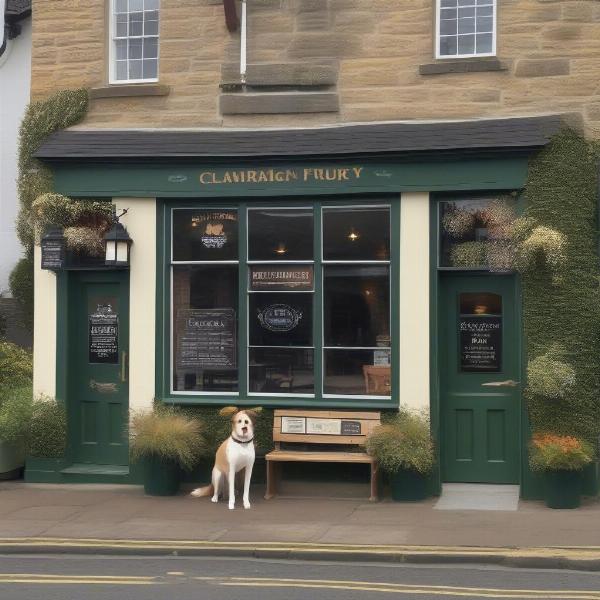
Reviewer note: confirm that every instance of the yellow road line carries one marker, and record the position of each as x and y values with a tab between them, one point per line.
574	553
47	578
402	587
424	591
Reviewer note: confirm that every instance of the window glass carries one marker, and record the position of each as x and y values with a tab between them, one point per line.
356	305
279	235
280	319
474	233
466	27
281	371
357	372
356	233
135	34
205	235
205	309
281	294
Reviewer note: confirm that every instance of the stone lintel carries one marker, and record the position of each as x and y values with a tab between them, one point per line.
279	103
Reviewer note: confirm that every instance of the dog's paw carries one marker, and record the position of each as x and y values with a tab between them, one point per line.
246	504
214	499
196	493
231	506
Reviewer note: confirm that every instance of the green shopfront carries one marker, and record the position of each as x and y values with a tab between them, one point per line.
347	267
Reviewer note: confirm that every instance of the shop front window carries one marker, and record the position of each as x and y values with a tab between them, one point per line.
205	301
475	233
315	294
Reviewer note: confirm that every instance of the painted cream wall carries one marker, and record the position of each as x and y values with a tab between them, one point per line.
44	330
140	222
414	300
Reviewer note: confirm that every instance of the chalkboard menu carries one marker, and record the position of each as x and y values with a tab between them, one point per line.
103	338
480	343
206	339
53	254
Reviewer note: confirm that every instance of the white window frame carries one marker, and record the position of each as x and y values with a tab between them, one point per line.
438	38
112	67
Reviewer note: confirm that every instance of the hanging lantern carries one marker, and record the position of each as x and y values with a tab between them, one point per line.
117	244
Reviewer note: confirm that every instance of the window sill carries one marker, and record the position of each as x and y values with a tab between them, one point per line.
468	65
271	402
130	90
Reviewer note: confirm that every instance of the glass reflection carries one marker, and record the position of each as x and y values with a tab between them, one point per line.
281	370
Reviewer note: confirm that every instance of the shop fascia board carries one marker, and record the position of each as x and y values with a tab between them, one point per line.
182	178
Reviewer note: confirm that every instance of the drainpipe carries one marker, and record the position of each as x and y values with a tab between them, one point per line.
243	43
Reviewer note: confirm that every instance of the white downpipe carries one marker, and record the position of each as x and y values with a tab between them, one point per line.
243	43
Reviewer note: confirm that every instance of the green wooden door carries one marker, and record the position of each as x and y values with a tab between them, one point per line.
480	344
97	370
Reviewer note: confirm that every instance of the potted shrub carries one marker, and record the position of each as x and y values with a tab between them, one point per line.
16	371
404	450
46	440
561	459
165	442
15	416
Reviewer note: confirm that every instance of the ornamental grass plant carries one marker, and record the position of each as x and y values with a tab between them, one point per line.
551	452
166	435
403	443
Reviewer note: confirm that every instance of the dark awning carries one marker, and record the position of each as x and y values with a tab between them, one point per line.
344	140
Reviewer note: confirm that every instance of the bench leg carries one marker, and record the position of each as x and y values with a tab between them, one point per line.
374	482
271	480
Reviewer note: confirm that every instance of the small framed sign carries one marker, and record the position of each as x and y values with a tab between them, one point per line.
293	425
277	278
324	426
351	428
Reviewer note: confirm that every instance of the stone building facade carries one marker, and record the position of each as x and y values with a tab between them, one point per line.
329	61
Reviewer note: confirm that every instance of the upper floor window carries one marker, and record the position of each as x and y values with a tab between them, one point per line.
465	28
134	41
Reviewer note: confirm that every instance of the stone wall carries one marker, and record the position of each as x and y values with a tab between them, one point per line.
548	60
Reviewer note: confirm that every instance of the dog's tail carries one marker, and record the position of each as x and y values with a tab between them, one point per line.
201	492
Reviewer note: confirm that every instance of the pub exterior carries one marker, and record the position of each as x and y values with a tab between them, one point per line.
289	250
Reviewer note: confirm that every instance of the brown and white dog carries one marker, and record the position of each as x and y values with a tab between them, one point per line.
234	454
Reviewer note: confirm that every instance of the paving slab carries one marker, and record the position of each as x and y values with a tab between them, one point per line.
112	512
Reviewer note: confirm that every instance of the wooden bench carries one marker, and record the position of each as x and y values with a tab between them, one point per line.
320	427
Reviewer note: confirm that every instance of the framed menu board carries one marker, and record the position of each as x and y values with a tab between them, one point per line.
480	343
206	339
103	336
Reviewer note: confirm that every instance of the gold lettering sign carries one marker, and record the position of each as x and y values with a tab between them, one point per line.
307	174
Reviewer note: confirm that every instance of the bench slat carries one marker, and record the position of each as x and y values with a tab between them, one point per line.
312	438
293	456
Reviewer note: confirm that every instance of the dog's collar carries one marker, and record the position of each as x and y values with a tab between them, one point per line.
240	441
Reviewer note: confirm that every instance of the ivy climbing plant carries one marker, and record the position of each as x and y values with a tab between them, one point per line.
61	110
561	196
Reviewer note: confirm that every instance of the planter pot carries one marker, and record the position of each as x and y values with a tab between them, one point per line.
563	489
12	460
409	486
161	477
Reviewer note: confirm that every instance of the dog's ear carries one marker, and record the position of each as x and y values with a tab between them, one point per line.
253	414
228	411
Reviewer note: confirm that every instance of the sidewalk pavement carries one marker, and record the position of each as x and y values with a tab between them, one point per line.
34	513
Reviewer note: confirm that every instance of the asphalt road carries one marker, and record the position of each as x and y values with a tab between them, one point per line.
60	577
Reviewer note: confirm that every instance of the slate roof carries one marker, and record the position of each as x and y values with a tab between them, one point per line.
343	140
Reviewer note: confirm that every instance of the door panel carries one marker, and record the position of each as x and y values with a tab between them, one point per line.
98	396
479	344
